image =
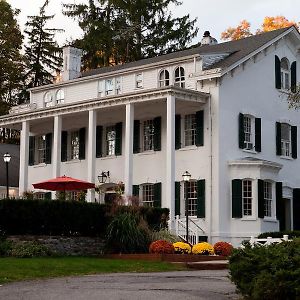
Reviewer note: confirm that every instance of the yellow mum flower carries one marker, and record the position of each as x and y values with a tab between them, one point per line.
203	249
182	248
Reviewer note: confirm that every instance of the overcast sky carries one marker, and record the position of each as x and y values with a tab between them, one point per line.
213	15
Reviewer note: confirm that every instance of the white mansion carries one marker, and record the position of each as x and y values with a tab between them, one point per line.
217	111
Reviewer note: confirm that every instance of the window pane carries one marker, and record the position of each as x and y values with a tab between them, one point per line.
190	130
268	199
75	145
190	193
247	197
148	195
110	140
179	77
41	148
285	139
148	135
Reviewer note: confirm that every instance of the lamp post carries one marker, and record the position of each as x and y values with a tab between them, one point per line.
6	158
186	176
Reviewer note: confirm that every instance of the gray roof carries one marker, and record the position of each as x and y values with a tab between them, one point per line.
236	49
13	166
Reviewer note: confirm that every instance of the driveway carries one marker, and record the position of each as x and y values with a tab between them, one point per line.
170	285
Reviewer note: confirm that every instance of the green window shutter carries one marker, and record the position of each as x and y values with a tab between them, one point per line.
177	132
48	148
277	73
157	134
258	134
136	136
82	143
177	198
135	190
296	209
261	198
47	196
237	198
99	137
31	150
278	138
280	206
157	194
294	141
201	198
199	128
241	131
118	149
64	146
294	77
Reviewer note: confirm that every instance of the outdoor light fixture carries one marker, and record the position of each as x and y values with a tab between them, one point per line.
186	176
103	177
6	158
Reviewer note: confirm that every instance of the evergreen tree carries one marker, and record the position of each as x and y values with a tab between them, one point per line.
42	52
118	31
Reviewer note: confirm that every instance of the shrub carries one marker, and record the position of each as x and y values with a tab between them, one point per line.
127	233
223	248
271	272
162	247
29	249
280	234
164	234
5	247
182	248
203	249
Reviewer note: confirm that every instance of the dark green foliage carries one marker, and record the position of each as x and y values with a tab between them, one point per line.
280	234
29	249
127	233
5	247
269	273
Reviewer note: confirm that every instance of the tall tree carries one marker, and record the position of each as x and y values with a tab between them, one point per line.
11	60
42	52
269	24
118	31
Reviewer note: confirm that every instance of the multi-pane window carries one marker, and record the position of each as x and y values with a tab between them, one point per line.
74	142
267	199
190	130
164	78
148	134
60	97
190	193
48	99
148	195
179	79
285	74
248	142
109	87
139	80
41	149
247	197
110	140
285	139
118	86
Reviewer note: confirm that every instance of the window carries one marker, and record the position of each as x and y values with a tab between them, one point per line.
179	77
118	86
248	128
148	135
285	73
285	139
48	99
267	199
247	197
41	149
190	130
148	195
109	87
110	140
74	142
139	80
190	193
60	97
164	78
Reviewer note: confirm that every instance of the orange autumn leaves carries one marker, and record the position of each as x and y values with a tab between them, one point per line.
243	29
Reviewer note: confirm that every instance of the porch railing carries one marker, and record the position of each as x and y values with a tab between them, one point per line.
268	241
22	108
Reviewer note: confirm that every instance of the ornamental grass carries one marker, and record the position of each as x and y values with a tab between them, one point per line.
223	248
203	249
182	248
161	247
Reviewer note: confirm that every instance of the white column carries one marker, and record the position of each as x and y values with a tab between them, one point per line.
170	158
129	149
91	153
24	155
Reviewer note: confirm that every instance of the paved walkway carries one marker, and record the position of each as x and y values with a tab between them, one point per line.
170	285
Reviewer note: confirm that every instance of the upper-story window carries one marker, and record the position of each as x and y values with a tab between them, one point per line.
285	73
179	79
190	130
118	86
74	143
268	199
60	96
41	148
110	140
109	87
286	140
48	99
139	80
148	135
247	197
248	131
164	78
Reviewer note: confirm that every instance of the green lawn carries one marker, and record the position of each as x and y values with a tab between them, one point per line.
15	269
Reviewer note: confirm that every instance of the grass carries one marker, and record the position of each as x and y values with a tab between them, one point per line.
17	269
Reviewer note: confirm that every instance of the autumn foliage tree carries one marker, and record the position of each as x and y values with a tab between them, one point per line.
269	24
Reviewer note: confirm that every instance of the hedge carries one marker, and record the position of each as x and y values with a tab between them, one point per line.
68	218
279	234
